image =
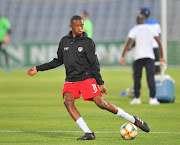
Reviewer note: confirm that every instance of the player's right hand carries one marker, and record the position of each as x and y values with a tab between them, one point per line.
123	61
103	89
32	71
162	60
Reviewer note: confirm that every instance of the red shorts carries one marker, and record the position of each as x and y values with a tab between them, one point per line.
87	88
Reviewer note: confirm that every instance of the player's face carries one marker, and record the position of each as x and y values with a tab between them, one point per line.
77	27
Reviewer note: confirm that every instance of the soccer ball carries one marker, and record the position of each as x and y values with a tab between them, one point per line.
128	131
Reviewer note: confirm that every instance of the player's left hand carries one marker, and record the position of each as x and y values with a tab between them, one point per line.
103	89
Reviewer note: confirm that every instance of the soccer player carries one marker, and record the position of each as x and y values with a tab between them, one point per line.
4	38
88	26
155	25
143	34
77	52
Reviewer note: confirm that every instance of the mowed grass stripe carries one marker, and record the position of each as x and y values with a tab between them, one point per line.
18	131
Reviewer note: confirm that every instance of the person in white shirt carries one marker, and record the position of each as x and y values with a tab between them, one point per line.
143	35
155	25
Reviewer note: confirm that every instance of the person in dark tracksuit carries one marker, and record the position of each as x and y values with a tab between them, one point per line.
77	52
143	35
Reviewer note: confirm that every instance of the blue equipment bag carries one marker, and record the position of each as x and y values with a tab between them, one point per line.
164	87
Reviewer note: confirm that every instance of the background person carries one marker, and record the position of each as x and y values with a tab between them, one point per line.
143	35
88	26
77	52
4	38
155	25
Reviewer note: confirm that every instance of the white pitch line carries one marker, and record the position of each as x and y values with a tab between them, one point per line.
16	131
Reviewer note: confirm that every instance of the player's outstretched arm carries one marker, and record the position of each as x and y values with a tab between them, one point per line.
32	71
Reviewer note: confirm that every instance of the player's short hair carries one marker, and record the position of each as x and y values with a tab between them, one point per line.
86	13
140	17
75	17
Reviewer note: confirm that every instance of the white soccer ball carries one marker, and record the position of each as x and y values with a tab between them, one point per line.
128	131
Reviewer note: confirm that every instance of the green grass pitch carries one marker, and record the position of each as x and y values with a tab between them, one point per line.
32	111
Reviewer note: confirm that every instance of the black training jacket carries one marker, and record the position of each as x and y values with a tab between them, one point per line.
78	56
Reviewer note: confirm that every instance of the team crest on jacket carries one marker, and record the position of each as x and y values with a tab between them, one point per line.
80	49
66	48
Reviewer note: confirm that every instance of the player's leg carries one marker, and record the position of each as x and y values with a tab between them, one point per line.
70	93
138	66
90	92
101	103
150	71
8	68
132	69
157	59
69	99
131	92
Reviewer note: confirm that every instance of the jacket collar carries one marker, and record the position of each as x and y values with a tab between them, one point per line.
82	36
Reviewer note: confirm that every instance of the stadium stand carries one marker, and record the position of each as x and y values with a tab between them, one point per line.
43	20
